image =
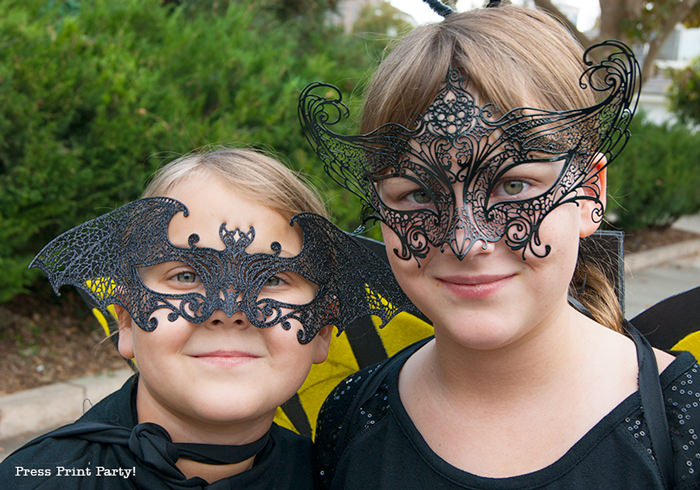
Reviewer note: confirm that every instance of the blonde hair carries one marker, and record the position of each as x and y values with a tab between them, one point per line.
253	173
511	57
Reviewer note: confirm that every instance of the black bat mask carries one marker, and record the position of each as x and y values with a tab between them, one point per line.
108	258
463	175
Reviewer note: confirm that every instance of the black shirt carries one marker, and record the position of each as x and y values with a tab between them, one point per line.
75	462
365	439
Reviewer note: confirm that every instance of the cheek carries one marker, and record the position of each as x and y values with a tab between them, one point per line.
407	273
283	345
391	241
168	337
399	267
290	359
560	232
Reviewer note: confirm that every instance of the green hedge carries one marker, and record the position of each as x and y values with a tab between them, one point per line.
94	96
684	92
656	179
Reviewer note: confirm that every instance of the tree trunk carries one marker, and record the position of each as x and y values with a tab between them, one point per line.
680	12
613	12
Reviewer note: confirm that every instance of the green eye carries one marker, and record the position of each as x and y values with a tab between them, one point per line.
513	187
420	197
187	276
273	281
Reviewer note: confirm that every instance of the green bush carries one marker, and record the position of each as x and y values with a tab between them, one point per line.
684	92
656	178
94	96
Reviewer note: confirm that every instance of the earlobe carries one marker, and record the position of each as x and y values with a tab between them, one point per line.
592	209
322	344
126	332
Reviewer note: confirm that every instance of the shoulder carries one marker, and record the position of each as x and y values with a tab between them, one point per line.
291	442
58	456
336	424
356	404
285	463
45	461
119	407
681	388
336	408
356	390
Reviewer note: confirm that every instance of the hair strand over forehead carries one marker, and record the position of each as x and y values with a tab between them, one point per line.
249	171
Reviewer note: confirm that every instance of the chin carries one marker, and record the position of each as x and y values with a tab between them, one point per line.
228	411
480	332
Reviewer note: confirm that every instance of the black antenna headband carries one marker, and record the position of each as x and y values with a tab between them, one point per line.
444	10
439	7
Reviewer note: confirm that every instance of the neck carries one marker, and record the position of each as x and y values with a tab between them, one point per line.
521	368
519	407
193	429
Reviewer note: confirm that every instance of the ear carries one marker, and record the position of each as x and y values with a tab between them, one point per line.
321	344
126	332
588	208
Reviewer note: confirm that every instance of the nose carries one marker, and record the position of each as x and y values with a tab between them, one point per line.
465	234
237	319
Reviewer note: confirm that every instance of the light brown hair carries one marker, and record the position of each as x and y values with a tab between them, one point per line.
511	57
253	173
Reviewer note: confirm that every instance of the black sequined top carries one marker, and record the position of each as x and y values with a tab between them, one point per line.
365	439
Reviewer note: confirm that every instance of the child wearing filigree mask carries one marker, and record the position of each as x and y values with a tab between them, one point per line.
227	278
484	143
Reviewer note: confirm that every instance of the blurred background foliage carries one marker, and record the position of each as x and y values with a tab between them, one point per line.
684	93
656	178
95	95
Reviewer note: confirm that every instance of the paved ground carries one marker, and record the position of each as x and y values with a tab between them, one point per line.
649	278
656	275
648	286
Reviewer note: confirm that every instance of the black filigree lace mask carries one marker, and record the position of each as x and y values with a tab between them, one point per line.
115	259
461	174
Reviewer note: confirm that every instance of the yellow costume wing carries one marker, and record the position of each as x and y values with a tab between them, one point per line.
360	345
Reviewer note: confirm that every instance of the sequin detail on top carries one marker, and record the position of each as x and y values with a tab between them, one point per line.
359	408
682	411
335	413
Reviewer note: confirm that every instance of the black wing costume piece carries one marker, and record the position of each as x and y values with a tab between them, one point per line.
104	258
444	180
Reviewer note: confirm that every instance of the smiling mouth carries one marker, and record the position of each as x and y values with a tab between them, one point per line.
226	358
476	287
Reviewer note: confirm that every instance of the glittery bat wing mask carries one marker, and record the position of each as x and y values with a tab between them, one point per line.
109	258
461	174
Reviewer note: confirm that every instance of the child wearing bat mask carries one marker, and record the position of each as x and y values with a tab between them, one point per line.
224	304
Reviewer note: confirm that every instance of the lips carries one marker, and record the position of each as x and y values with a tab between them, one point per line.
475	287
226	357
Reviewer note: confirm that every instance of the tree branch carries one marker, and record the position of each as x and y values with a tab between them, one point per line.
680	12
